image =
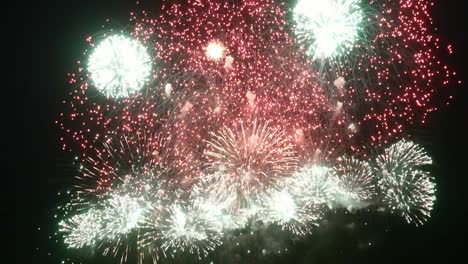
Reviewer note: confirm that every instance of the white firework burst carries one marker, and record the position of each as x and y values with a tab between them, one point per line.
284	209
245	162
179	228
119	66
215	51
81	230
216	207
121	215
328	28
356	182
406	185
314	185
403	155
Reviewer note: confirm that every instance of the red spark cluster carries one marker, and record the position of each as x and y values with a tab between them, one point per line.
394	75
391	79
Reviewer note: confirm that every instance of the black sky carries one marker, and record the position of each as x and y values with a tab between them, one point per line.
45	38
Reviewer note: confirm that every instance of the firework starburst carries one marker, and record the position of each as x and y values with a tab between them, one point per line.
119	66
248	160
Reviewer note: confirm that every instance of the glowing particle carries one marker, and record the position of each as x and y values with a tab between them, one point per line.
168	89
251	98
228	62
339	83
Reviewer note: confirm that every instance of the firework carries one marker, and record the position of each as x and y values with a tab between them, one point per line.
328	28
315	185
139	166
121	215
119	66
81	230
108	225
179	228
407	186
215	51
120	183
403	155
390	56
240	124
260	74
217	207
356	182
246	161
287	211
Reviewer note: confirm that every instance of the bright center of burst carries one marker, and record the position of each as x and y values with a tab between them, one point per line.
183	228
215	51
284	206
133	218
180	220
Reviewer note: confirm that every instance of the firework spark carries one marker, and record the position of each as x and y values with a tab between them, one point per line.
217	207
390	58
108	225
121	215
136	165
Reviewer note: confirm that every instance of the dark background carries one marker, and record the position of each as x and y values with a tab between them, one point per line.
45	38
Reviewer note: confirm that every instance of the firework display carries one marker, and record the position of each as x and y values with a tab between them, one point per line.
217	116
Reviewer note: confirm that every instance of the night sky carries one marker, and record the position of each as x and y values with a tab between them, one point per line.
47	37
